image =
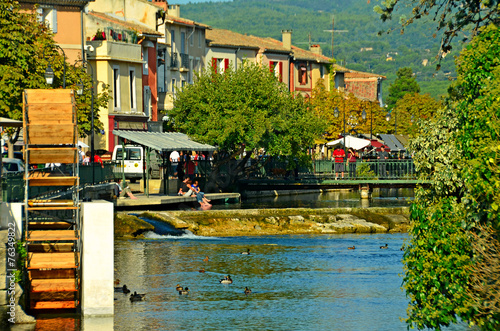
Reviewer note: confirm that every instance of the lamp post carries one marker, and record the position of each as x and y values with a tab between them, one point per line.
49	72
363	116
336	114
388	118
86	64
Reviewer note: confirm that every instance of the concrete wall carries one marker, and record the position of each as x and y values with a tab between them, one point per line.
11	215
97	258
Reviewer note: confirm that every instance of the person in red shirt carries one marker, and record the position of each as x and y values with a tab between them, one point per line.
339	155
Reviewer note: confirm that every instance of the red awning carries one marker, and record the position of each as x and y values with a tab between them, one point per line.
377	145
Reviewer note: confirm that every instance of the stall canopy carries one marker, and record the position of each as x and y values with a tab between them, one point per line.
350	142
164	141
10	123
392	142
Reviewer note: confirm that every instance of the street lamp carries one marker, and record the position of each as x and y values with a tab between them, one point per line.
86	64
388	118
336	114
49	72
363	116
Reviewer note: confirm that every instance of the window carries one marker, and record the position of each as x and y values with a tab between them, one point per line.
172	41
131	79
191	39
200	37
302	74
173	86
49	16
277	67
145	58
183	42
220	65
116	87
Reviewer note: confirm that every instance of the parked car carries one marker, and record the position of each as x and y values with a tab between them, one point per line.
134	162
12	165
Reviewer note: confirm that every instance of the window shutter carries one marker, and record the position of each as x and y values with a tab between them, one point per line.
271	66
214	64
280	71
54	20
226	64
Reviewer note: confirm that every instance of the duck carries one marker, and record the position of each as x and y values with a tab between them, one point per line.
353	247
226	280
205	259
247	290
184	291
247	252
201	270
178	287
137	297
123	289
384	247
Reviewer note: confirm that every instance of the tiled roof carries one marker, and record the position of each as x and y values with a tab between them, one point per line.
143	29
185	21
358	74
69	3
220	37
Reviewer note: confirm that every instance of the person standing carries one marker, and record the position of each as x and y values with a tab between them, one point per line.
339	155
382	158
174	160
351	159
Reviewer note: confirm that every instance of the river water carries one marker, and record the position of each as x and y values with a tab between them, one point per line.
298	282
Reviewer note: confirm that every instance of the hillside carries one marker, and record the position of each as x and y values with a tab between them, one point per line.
359	47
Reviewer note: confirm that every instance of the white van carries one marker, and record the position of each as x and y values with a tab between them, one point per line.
134	162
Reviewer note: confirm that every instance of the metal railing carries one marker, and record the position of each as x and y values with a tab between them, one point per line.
174	61
184	60
13	183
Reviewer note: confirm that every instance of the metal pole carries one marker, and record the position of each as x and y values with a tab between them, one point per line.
371	122
395	121
345	151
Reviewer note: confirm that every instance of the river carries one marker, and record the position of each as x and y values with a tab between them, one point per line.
298	282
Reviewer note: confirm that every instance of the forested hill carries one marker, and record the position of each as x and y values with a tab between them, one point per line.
359	48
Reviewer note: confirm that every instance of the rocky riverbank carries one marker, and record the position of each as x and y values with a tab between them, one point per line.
255	222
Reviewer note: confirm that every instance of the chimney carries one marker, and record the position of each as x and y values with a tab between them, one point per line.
316	49
286	38
174	10
162	4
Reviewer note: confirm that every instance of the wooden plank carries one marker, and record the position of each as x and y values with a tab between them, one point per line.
52	134
52	274
50	113
50	226
51	247
53	155
52	208
52	235
53	305
52	180
38	203
51	260
49	95
53	285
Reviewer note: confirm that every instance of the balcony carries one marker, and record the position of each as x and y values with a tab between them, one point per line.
174	61
184	62
113	50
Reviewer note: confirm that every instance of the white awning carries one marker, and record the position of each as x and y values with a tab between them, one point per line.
164	141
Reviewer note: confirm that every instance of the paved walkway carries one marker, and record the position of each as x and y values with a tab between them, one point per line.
159	199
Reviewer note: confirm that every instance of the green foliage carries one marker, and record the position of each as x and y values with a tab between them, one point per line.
405	83
359	48
246	110
22	255
459	154
451	16
412	108
363	170
26	49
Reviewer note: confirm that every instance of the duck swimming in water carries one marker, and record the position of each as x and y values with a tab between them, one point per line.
137	297
123	289
247	252
184	291
226	280
178	287
247	290
384	247
202	270
205	259
353	247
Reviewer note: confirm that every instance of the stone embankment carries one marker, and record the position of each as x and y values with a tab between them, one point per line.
255	222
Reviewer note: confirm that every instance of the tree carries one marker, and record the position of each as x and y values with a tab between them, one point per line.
404	83
26	48
452	16
459	155
324	102
412	108
245	113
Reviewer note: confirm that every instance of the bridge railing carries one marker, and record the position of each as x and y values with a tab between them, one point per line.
13	183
